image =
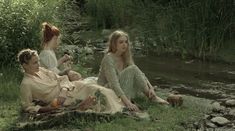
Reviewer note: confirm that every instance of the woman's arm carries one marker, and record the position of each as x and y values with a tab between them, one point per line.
63	59
113	81
27	99
111	75
129	104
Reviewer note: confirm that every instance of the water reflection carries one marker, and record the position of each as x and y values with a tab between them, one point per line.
172	72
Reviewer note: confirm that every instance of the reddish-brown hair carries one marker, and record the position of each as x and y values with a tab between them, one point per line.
49	31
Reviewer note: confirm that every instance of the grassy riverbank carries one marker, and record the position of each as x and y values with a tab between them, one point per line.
163	118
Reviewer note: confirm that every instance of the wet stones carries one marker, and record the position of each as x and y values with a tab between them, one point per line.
216	107
230	103
210	124
221	121
232	112
221	117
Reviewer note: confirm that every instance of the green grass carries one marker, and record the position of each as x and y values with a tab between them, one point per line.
166	118
9	113
10	79
9	96
163	118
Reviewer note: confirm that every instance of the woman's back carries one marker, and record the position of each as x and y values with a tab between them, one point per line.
48	60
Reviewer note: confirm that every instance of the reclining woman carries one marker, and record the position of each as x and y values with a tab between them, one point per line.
41	84
48	60
119	72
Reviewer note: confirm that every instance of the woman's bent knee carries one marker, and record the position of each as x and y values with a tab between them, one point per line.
132	67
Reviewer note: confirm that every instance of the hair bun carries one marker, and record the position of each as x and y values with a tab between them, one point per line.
49	31
44	23
46	26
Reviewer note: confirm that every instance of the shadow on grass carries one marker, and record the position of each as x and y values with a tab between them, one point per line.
162	118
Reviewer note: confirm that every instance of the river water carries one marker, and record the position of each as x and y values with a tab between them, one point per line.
194	77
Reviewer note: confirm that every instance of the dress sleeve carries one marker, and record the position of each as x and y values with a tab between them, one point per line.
27	99
49	61
111	75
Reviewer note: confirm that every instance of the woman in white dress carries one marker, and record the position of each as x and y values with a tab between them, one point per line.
57	91
48	60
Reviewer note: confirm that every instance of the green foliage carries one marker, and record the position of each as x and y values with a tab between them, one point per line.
186	27
10	81
9	114
198	28
20	23
107	14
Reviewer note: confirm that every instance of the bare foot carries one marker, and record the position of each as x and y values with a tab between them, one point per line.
159	100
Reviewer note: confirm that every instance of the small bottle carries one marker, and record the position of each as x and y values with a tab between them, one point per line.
55	103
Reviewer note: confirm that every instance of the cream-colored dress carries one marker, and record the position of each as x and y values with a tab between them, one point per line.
49	85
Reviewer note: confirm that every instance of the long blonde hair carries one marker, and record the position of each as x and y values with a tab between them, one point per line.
112	46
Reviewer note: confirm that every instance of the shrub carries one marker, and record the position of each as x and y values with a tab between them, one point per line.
20	23
187	27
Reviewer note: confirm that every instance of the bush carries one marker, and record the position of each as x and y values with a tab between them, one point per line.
110	14
20	23
199	28
187	27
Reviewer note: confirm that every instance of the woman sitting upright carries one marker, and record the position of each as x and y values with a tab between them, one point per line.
119	72
50	42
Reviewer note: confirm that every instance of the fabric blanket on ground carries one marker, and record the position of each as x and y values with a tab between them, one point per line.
63	116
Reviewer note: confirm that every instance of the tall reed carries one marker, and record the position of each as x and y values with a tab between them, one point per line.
187	27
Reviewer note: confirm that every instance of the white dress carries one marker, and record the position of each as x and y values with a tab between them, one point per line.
49	61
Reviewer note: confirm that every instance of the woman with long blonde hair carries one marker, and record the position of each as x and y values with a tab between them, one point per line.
119	72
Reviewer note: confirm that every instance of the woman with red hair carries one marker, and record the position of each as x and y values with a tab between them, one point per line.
57	91
50	42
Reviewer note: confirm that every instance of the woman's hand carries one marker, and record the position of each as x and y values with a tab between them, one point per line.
132	107
129	105
74	76
64	59
151	93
